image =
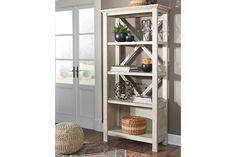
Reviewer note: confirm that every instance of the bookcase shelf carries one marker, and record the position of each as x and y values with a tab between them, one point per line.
129	73
129	102
134	43
147	137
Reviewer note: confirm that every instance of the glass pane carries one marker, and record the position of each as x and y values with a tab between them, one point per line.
63	72
87	73
86	47
64	47
86	20
64	22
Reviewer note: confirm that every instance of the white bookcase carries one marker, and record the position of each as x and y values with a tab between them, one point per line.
157	50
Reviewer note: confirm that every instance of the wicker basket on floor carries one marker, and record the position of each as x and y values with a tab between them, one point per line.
133	125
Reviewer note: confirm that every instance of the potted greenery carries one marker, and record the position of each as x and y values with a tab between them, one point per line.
120	32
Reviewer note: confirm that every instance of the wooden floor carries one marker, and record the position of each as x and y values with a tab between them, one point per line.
92	136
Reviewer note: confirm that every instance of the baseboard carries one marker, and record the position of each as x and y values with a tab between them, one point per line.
174	139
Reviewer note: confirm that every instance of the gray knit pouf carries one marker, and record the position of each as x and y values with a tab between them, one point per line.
69	138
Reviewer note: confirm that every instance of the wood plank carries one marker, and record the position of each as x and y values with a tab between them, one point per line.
147	137
155	120
135	43
131	43
105	126
128	103
132	29
143	10
129	57
130	73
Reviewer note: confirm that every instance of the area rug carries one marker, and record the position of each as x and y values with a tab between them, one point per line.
102	150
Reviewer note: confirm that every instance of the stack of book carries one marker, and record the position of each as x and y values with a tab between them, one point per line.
124	68
143	99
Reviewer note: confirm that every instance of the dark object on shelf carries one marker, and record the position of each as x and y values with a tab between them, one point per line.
129	37
146	67
120	32
152	1
124	90
120	36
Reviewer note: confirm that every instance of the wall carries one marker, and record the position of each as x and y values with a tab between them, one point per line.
174	110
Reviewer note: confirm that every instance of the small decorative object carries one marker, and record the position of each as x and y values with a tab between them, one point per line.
123	90
147	61
120	32
147	65
138	2
129	37
146	26
133	125
69	138
152	1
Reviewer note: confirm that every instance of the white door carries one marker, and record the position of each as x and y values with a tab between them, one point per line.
75	66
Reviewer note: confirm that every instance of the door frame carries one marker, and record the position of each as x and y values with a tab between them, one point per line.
70	4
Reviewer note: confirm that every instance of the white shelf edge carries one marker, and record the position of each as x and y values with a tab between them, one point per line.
131	43
147	137
135	9
129	73
160	75
135	43
127	103
161	103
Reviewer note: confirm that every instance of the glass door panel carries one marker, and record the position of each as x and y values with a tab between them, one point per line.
64	72
86	20
87	73
64	22
64	47
86	47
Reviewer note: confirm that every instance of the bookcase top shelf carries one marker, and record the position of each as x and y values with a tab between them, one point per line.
135	11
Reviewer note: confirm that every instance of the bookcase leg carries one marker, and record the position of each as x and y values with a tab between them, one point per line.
105	138
154	147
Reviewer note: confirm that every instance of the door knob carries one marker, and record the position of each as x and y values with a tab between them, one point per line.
73	71
77	71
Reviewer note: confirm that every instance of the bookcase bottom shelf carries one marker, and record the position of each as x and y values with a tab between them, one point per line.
147	137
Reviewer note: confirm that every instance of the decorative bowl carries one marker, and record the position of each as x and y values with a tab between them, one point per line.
146	67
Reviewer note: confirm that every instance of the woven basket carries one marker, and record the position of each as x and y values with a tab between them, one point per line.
138	2
133	125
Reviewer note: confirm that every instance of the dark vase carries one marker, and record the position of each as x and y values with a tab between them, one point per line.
146	67
129	37
120	36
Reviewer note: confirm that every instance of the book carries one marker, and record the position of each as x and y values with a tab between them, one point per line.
120	68
143	99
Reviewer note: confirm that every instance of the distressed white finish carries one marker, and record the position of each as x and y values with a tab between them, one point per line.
129	73
105	127
135	43
157	110
147	137
165	79
155	113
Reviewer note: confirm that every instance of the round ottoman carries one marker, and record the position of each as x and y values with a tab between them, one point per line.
69	138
